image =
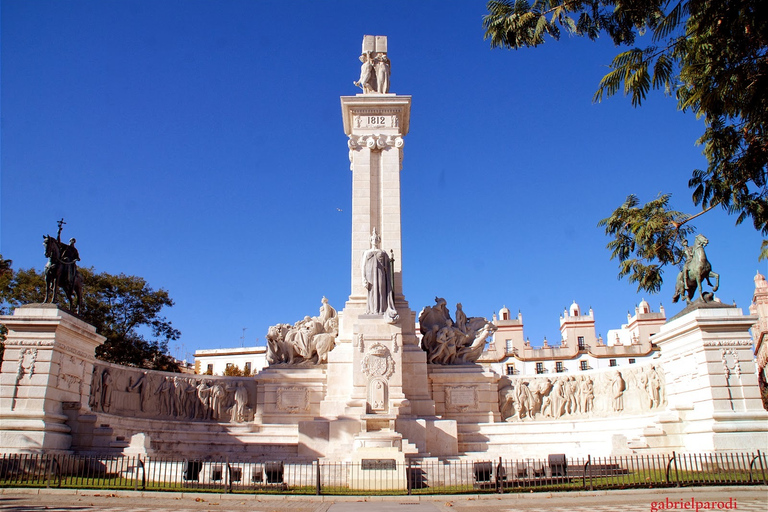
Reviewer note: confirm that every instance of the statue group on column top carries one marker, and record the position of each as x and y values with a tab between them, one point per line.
378	279
375	69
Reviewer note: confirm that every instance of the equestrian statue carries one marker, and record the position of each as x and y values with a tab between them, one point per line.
696	270
61	270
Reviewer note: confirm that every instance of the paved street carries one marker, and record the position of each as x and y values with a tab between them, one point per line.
749	499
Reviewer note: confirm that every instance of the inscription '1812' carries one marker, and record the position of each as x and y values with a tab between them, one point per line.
376	121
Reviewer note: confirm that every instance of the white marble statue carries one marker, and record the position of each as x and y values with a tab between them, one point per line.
377	280
367	81
446	342
308	341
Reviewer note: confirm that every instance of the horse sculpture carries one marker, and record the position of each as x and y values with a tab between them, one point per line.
58	275
695	271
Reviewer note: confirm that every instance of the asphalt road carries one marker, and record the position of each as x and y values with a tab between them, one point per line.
749	499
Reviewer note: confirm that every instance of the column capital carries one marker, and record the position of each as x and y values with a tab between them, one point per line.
383	114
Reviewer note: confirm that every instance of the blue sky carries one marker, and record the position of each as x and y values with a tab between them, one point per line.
199	145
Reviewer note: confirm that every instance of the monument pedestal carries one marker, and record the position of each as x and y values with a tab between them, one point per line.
48	362
711	382
465	393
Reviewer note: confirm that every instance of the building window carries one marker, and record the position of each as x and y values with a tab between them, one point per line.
582	345
559	367
511	369
631	361
585	365
209	370
509	346
612	362
539	368
248	368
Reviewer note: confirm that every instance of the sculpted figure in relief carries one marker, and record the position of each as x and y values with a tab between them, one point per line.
447	342
239	410
618	386
631	391
158	395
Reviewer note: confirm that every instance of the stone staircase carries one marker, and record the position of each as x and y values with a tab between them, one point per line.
188	440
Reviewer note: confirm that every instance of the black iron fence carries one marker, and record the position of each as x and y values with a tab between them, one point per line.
377	476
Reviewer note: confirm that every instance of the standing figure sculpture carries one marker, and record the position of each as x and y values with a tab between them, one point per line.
382	67
367	80
61	270
696	270
377	280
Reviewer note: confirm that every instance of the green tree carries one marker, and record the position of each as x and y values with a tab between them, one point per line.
6	274
712	55
232	370
124	309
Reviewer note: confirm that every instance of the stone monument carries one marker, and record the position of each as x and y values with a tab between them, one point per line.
378	404
358	385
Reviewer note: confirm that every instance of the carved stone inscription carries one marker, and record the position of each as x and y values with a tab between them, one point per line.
461	398
293	399
388	464
375	121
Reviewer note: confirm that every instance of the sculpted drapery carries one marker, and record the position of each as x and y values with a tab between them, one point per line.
377	279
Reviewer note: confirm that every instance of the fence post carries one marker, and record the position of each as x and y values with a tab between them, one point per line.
677	476
759	457
587	468
229	477
408	473
500	477
318	489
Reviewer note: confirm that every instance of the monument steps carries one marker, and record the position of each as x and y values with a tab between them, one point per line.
576	437
194	439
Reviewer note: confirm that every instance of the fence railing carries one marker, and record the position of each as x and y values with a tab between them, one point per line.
383	476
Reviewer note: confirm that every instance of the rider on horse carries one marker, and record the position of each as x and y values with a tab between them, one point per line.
61	269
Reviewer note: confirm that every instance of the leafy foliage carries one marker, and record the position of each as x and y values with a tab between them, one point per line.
122	308
645	239
6	274
233	370
712	55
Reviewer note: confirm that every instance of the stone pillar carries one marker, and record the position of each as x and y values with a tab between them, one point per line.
711	380
759	308
375	126
47	369
377	374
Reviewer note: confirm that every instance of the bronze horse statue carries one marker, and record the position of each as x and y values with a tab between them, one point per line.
57	274
695	271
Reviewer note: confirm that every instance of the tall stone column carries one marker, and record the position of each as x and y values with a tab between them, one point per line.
47	367
375	126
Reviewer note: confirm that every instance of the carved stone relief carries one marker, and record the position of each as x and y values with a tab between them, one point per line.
378	395
461	398
25	368
292	399
378	362
158	395
630	391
